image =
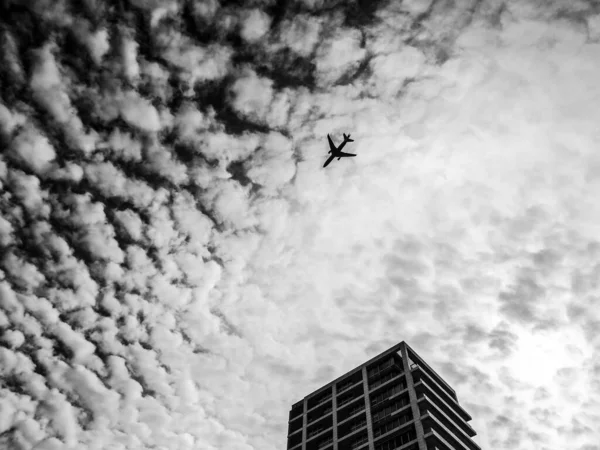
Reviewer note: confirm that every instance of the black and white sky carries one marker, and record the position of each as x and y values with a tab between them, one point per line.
177	268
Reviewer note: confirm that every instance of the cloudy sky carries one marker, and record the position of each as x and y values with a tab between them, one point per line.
177	268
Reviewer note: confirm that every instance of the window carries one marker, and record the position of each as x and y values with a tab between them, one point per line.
357	443
355	410
397	441
388	393
346	385
389	426
385	412
312	416
380	367
358	425
383	379
324	399
345	400
315	431
325	443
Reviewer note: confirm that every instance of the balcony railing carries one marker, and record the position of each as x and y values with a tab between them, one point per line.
346	400
383	380
397	441
325	443
320	416
323	400
389	410
381	367
392	425
388	393
346	386
357	426
315	432
355	410
358	443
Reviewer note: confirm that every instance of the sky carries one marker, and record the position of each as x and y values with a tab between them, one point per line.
177	268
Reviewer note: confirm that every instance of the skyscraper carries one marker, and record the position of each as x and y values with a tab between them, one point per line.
394	401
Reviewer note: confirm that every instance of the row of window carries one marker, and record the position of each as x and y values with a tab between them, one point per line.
324	399
346	385
374	402
358	442
345	400
315	417
380	367
383	379
356	410
379	415
397	441
391	425
354	427
325	442
398	404
358	425
314	432
388	393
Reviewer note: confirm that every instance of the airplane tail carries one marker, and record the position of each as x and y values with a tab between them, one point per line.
347	138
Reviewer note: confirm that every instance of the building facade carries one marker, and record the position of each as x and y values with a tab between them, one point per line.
394	401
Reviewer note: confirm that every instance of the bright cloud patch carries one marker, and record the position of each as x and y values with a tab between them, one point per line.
177	268
252	96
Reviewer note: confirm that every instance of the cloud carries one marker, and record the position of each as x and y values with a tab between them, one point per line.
272	165
301	33
28	192
252	96
139	112
31	148
177	267
50	91
255	25
338	56
196	63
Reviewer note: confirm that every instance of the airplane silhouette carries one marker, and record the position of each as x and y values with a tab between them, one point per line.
336	152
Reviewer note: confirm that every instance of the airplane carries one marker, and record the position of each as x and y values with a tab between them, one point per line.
336	152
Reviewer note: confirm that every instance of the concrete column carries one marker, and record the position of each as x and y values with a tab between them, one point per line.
334	416
304	423
368	408
412	394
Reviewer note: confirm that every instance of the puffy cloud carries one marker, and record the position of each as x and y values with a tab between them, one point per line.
301	33
338	56
96	41
52	93
391	71
157	78
27	190
194	270
139	112
131	222
252	96
33	149
95	234
9	120
112	182
197	63
229	201
190	123
255	25
272	165
131	67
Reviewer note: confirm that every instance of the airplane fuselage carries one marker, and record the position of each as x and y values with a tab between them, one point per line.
339	149
336	152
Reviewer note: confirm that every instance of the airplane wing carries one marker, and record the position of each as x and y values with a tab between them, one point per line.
328	161
345	154
331	145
